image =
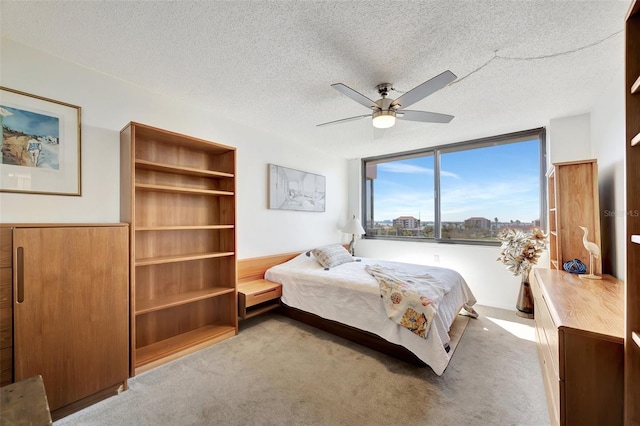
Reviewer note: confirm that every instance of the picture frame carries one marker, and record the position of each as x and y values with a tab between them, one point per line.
291	189
41	141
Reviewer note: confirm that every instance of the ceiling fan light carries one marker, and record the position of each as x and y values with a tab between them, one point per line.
384	119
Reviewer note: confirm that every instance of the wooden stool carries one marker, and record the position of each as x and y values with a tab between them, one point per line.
24	403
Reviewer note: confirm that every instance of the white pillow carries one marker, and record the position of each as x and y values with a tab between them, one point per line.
332	256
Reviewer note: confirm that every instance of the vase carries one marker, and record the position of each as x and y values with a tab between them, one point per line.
525	297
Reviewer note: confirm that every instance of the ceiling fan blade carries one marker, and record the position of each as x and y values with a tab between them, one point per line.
424	116
344	120
356	96
425	89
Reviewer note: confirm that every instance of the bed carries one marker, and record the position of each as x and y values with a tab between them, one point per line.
345	298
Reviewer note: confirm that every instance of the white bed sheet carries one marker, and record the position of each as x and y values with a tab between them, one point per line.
349	295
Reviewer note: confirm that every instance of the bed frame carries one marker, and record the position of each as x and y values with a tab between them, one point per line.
353	334
254	269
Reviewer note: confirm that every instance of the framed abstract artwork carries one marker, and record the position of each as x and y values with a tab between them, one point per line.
291	189
40	145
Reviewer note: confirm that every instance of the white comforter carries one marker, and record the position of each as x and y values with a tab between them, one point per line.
348	294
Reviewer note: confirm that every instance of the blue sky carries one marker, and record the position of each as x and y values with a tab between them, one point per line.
499	181
31	123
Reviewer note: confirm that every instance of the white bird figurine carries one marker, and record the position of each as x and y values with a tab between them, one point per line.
594	251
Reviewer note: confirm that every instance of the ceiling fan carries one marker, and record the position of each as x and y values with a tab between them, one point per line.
385	111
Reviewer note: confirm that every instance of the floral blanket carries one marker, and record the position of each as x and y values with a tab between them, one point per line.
410	300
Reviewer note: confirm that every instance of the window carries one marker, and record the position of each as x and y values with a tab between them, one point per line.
484	185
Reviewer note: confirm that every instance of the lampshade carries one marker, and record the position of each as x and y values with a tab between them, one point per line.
353	227
384	119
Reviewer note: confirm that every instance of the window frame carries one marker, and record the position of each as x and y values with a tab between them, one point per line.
436	152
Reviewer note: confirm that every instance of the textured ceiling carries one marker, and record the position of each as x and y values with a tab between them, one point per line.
270	64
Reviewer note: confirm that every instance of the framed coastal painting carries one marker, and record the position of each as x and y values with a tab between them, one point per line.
40	145
291	189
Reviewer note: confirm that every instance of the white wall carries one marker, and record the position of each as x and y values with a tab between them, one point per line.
600	134
108	104
569	139
354	205
608	145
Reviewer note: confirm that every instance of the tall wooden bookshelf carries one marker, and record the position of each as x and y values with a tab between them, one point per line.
572	189
632	100
178	194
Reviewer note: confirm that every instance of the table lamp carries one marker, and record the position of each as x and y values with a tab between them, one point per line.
354	228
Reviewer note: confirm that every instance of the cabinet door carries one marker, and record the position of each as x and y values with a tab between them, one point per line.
71	309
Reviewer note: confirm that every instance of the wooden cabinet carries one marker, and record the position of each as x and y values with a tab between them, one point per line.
572	189
632	97
70	310
258	296
580	338
178	193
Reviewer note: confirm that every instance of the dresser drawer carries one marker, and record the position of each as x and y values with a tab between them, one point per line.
535	287
551	381
545	322
6	328
254	295
6	309
6	244
6	300
5	247
6	366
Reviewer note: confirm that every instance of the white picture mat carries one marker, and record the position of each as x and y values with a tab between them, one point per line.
291	189
66	179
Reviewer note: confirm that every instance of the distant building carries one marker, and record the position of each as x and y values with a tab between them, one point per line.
406	222
477	223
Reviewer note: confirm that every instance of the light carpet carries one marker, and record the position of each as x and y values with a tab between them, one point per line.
281	372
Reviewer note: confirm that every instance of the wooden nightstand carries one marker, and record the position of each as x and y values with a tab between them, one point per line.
258	296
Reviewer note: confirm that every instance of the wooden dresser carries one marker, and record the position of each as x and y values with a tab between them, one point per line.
6	308
580	335
66	317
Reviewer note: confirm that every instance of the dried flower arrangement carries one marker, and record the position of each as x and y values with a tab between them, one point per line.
521	250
